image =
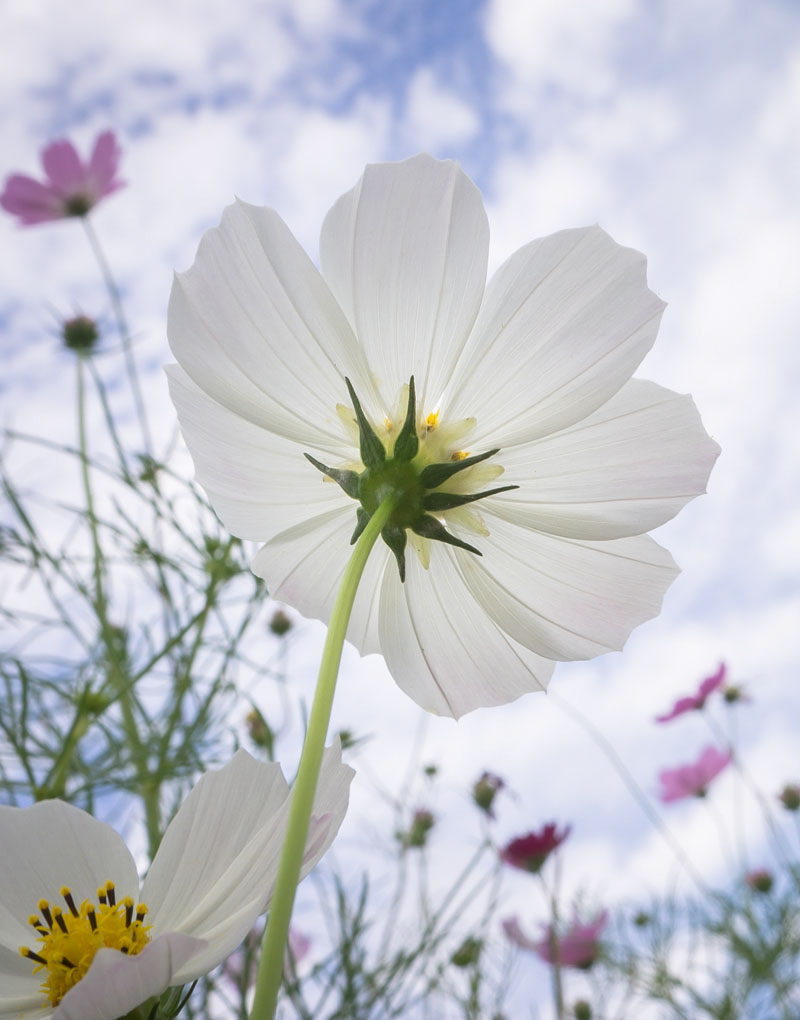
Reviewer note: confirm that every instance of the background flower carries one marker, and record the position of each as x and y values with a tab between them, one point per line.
72	186
539	366
528	853
693	780
210	880
695	702
577	947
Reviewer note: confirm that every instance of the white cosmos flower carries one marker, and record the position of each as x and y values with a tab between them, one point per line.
537	365
211	878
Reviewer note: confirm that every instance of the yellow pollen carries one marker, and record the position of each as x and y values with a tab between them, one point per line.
387	424
432	421
68	942
459	455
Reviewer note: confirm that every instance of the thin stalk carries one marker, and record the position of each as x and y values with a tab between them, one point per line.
633	788
122	327
150	791
270	971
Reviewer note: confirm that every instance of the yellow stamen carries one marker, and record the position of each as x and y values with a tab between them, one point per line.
459	455
432	421
69	942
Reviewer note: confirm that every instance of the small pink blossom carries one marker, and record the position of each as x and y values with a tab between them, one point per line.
695	702
528	853
577	947
693	780
71	187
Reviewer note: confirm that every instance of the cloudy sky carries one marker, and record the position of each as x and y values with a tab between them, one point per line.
675	124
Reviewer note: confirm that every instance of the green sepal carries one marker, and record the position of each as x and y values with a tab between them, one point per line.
361	523
429	527
347	479
438	501
436	474
396	539
373	453
407	443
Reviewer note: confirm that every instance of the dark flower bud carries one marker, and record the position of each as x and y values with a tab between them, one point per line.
417	834
260	731
468	953
790	796
485	790
760	880
80	334
280	624
582	1010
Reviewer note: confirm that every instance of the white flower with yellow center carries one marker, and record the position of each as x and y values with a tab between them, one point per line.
80	941
285	372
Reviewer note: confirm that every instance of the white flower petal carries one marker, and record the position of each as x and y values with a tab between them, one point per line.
304	567
565	598
565	322
50	845
405	254
442	648
625	469
20	992
255	326
214	871
258	482
115	983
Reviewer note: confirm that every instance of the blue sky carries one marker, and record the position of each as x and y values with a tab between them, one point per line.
673	125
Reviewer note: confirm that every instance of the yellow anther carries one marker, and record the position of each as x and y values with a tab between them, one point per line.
69	943
459	455
432	421
387	424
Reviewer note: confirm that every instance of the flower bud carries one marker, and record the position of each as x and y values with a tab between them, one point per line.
417	834
582	1010
259	730
80	334
280	624
790	796
485	790
760	880
468	953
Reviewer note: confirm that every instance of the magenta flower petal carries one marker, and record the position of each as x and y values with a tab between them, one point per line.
71	188
577	947
693	780
30	200
695	702
528	853
104	163
712	683
63	166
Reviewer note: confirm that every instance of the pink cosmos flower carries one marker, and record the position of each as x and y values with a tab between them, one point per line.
71	188
695	702
693	780
577	947
528	853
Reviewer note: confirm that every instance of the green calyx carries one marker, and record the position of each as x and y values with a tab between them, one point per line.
408	482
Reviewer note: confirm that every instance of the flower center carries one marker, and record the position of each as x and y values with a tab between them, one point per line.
417	468
68	941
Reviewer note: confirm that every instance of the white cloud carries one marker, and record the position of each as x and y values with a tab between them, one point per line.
436	117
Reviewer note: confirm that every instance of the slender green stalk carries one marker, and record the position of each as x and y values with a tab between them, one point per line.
119	683
122	327
270	970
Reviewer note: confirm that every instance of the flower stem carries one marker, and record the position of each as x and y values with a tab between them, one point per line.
270	970
123	329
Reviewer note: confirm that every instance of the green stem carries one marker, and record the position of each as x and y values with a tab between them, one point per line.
118	680
270	970
122	327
